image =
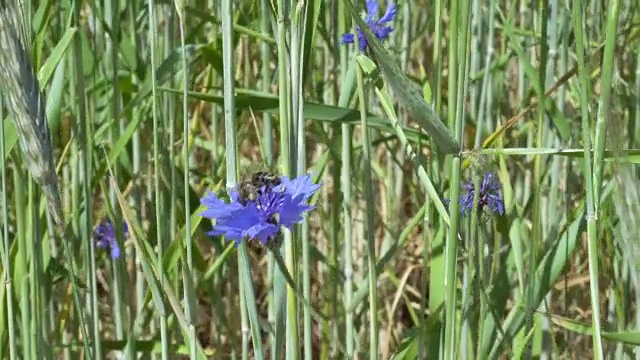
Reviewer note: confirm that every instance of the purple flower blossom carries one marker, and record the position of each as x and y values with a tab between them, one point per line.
262	218
489	195
105	235
378	26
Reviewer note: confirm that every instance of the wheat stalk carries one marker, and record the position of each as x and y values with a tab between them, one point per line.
20	86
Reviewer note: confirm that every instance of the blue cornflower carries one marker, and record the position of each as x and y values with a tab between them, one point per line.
377	26
489	195
262	218
105	234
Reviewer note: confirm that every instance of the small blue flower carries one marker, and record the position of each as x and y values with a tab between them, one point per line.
377	26
262	218
489	195
105	235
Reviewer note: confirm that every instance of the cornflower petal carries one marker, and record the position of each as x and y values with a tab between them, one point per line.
263	232
347	38
101	243
372	10
230	232
302	185
388	16
269	203
466	203
362	40
495	204
383	32
237	225
292	211
115	251
217	208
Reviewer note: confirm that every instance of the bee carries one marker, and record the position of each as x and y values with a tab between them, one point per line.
251	188
266	178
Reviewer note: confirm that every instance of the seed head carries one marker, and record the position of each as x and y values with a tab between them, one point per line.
25	100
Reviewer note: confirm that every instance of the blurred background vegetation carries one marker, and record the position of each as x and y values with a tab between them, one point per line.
150	104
